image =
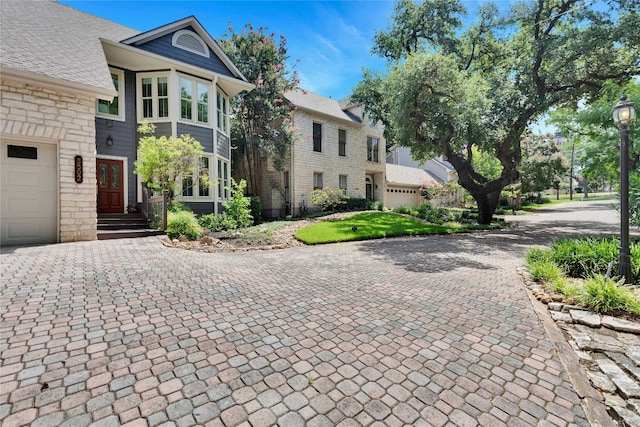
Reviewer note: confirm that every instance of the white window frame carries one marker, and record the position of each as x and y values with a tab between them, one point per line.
195	83
371	150
120	98
224	179
154	97
344	132
340	179
316	181
222	111
313	137
196	197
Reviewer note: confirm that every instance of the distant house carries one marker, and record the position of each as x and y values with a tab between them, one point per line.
336	147
405	184
74	88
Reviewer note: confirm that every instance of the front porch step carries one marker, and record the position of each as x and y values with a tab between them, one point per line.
123	226
127	234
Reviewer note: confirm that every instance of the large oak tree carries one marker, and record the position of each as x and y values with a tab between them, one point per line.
454	91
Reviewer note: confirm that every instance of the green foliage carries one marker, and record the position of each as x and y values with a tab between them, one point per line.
604	295
586	256
356	204
255	206
432	214
237	207
542	166
261	125
219	222
449	89
178	206
538	255
378	205
368	225
634	197
184	224
545	271
163	160
329	198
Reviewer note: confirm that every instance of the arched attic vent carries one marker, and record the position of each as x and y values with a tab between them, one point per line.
191	42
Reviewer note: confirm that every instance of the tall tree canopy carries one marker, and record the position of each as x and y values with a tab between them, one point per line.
261	125
450	89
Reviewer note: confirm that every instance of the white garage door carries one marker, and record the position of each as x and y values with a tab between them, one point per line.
398	196
29	188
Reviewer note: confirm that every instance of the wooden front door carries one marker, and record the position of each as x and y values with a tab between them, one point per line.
110	186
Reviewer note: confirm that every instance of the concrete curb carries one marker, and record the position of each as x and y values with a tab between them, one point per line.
592	400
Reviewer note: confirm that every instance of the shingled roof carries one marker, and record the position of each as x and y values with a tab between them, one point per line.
315	103
405	175
45	39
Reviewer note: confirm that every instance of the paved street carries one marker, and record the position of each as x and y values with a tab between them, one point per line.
426	331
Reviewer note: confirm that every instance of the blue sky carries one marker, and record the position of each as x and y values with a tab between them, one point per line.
331	39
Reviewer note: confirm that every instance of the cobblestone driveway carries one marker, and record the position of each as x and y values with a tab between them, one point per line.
413	331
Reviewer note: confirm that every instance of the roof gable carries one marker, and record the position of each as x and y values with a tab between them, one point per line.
160	40
406	175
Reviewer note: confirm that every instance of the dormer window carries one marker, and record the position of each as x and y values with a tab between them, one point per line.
191	42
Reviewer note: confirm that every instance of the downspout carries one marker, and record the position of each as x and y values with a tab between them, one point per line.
292	192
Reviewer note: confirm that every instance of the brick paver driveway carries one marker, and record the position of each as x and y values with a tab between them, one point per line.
412	331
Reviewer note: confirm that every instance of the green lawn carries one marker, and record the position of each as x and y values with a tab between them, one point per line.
370	225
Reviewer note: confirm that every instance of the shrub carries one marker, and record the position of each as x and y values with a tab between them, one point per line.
356	204
178	206
545	271
183	223
378	205
237	207
538	254
255	206
213	222
329	198
604	295
586	256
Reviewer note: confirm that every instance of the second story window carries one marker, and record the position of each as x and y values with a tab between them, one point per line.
372	149
223	112
154	97
114	109
194	101
317	137
342	142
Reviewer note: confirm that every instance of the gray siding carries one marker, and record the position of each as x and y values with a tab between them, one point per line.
203	135
162	46
163	129
124	135
200	208
224	146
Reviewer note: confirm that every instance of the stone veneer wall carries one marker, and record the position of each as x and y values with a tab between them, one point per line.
43	115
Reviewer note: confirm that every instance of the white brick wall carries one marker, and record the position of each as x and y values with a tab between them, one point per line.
44	115
354	165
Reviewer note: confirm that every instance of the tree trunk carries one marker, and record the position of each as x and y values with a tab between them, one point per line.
487	204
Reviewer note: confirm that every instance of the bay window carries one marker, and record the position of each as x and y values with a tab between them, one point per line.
223	112
154	97
197	185
194	101
223	179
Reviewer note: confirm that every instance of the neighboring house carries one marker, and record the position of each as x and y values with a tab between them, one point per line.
440	169
74	88
336	147
405	184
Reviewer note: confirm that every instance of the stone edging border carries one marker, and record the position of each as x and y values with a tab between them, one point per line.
592	400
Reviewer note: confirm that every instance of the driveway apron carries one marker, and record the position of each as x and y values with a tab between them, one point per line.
427	331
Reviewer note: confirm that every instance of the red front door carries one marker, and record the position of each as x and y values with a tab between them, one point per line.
110	188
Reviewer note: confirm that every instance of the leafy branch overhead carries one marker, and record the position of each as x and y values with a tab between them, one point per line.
455	91
261	118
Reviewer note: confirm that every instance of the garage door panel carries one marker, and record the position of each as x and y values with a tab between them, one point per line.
29	199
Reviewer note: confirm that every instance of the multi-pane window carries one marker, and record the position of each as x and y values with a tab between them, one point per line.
154	95
342	182
342	142
197	185
317	180
317	137
372	149
194	101
287	191
223	179
115	108
223	113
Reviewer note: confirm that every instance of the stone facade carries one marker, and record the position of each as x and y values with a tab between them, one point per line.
303	162
36	114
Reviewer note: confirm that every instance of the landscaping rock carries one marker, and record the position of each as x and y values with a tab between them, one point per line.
621	324
625	384
587	318
556	306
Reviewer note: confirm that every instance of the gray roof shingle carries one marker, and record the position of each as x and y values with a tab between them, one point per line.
406	175
310	101
57	41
